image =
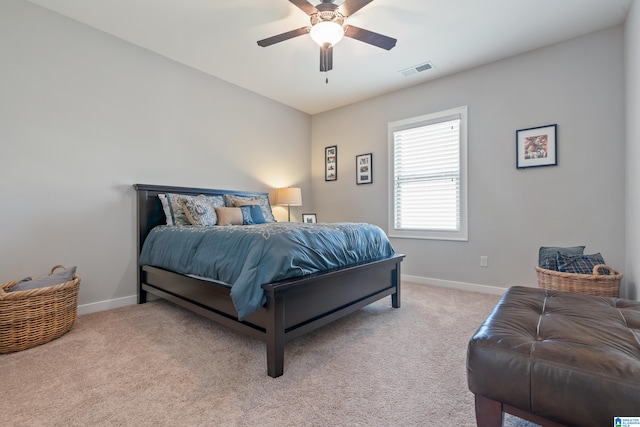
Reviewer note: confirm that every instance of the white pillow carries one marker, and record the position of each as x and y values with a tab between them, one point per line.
166	208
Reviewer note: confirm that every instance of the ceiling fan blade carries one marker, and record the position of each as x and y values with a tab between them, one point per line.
326	57
350	7
284	36
305	6
370	37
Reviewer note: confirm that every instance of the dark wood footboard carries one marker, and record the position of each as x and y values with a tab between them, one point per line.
293	307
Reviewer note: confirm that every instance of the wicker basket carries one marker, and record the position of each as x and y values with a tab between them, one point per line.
604	285
32	317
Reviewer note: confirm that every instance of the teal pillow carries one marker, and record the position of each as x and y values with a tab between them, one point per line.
256	214
252	214
232	200
246	215
552	253
51	280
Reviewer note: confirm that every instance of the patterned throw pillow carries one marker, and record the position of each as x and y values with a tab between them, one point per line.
580	264
232	200
199	210
247	219
551	252
550	264
174	212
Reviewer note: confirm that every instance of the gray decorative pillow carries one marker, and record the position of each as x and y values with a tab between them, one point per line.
178	216
199	210
176	212
262	200
51	280
552	252
215	201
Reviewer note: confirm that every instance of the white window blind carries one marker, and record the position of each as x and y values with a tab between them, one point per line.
428	188
427	177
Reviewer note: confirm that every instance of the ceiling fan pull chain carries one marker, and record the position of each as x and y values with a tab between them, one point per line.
326	80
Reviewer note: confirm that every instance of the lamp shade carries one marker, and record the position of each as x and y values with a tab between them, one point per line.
290	196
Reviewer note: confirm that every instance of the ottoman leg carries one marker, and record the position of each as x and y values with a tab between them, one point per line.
488	412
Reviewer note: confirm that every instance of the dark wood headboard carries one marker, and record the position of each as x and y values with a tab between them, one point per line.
149	207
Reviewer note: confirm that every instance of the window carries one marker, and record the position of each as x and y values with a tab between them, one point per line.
428	180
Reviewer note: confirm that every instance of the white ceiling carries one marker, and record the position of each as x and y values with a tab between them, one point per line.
219	37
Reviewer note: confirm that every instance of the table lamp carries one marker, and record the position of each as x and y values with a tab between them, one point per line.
290	196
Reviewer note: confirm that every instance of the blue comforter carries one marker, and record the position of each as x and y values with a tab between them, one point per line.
248	256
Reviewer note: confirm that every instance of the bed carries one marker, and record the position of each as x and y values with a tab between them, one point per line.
291	307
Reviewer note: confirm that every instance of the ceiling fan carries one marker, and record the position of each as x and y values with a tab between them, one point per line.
327	28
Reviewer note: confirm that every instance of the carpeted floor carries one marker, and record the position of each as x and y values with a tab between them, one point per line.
159	365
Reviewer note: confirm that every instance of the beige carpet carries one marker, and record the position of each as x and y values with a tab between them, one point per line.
159	365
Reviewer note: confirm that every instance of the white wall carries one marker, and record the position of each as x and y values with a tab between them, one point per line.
84	115
632	70
577	84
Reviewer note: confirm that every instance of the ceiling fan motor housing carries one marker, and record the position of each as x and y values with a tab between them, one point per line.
327	16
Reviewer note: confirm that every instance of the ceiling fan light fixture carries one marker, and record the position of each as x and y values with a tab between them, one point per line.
327	32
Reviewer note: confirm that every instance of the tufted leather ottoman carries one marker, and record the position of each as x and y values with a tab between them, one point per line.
556	358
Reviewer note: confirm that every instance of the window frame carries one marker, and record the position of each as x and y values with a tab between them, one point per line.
462	234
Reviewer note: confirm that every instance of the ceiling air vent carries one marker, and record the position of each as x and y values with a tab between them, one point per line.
416	69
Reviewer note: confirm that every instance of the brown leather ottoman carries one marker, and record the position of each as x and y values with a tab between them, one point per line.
556	358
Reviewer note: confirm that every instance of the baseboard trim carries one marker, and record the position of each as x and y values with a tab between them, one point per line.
94	307
462	286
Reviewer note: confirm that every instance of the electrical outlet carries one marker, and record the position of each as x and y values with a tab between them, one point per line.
484	261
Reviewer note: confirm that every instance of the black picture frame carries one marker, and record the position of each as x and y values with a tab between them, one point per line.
309	218
331	163
537	146
364	168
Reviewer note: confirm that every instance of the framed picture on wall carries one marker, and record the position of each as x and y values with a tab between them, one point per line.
364	168
537	146
309	218
331	163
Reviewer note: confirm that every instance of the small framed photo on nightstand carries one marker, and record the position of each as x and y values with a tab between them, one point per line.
309	218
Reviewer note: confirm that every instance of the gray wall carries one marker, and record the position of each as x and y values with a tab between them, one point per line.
632	57
84	115
577	84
